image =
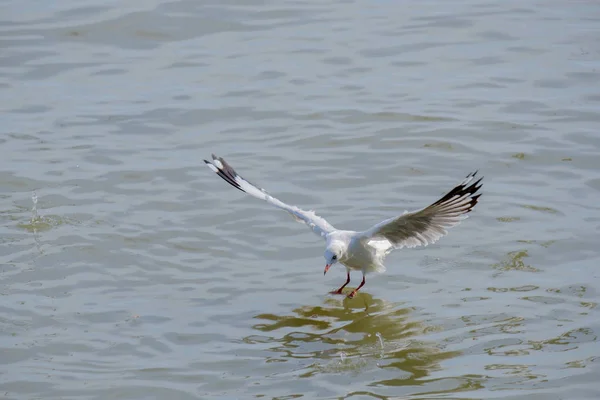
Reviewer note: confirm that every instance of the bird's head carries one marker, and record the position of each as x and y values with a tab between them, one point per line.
333	253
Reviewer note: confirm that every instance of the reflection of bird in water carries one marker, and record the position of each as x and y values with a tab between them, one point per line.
327	338
366	251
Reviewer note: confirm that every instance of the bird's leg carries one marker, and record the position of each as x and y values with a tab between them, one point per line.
353	293
339	291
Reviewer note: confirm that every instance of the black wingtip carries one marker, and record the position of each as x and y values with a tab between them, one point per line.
469	188
477	185
474	201
227	173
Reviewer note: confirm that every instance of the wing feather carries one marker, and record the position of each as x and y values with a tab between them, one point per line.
428	225
319	225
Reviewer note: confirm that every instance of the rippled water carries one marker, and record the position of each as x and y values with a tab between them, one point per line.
139	274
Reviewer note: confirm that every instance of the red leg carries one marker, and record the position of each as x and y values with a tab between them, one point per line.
353	293
339	291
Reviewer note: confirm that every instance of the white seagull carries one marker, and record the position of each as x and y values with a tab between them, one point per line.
365	251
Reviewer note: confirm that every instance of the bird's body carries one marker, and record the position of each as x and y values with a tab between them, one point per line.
355	252
366	251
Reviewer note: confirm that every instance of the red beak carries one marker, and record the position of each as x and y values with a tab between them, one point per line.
326	268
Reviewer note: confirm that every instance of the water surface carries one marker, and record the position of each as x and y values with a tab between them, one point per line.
129	270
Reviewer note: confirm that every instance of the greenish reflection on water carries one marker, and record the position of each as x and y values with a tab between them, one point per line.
345	335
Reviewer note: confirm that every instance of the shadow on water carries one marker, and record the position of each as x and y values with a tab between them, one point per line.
352	336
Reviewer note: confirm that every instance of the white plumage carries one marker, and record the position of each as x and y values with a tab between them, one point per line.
365	251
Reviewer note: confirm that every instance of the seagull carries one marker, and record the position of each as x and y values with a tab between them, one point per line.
365	251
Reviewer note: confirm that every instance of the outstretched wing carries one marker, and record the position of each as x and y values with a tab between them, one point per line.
319	225
428	225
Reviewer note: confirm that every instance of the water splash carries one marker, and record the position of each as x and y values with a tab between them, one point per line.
34	212
35	219
40	223
380	343
342	357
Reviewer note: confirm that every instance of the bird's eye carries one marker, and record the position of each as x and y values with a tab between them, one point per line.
334	257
